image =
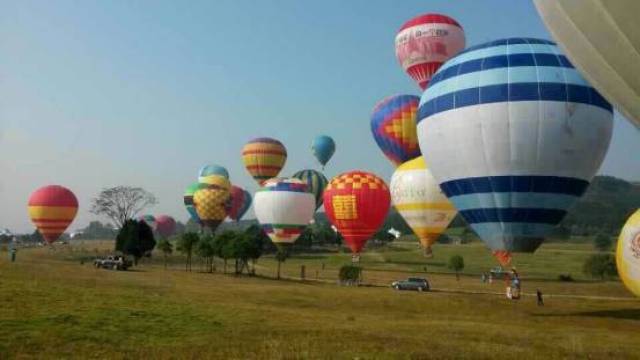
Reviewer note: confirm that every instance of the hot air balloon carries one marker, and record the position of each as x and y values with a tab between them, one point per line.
323	148
210	201
393	124
211	170
264	158
601	40
188	200
356	203
284	208
239	203
149	220
165	225
418	198
52	209
315	181
628	254
426	42
513	134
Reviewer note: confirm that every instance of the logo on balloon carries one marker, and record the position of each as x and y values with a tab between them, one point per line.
635	246
345	207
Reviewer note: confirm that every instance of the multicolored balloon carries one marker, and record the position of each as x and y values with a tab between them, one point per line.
239	203
212	170
601	39
357	204
393	124
165	226
323	148
418	198
284	208
628	254
188	201
425	42
264	158
316	183
149	220
52	209
211	200
514	135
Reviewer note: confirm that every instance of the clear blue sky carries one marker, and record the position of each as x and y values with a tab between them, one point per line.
103	93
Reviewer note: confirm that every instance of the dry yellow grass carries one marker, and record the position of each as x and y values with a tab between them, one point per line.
51	307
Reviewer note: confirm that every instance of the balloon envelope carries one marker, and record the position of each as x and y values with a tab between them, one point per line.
393	124
211	170
52	209
357	204
602	39
425	42
264	158
210	201
418	198
316	183
628	254
514	135
284	208
240	202
323	148
188	201
165	225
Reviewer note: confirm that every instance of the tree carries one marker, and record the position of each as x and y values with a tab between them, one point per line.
281	255
97	230
456	263
602	242
135	238
224	246
253	247
166	247
186	244
121	203
206	250
600	265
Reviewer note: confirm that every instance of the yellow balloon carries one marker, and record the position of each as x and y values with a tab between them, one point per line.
418	198
210	201
628	254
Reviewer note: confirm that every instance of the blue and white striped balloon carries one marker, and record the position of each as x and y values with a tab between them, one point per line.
513	134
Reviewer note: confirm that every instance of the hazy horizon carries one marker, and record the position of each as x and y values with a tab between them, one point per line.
99	94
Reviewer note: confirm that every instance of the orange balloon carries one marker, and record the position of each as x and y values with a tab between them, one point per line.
52	209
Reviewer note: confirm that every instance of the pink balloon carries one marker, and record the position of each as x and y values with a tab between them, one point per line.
165	225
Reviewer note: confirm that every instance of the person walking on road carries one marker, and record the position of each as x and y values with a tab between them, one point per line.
539	295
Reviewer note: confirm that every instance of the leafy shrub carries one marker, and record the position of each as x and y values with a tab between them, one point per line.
350	274
565	277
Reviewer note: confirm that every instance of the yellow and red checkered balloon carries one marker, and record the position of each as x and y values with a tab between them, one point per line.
210	201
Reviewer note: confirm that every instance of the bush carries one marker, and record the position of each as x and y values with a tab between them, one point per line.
600	265
602	242
135	238
565	277
350	274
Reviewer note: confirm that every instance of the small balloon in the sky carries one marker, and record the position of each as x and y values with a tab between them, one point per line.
52	209
239	202
425	42
264	158
393	125
165	226
323	148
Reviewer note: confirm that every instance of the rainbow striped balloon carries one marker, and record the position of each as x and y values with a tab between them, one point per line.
264	158
316	182
52	209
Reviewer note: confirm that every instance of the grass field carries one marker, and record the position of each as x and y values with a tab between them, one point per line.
52	306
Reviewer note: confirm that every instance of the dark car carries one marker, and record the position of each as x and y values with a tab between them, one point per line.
418	284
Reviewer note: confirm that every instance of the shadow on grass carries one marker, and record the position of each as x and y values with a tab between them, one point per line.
627	314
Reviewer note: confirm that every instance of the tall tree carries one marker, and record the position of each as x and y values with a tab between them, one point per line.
206	250
166	247
121	203
186	244
456	263
135	238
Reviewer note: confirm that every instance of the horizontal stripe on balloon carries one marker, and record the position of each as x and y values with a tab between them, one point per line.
512	93
264	140
511	62
264	167
424	206
509	215
527	43
524	183
288	187
513	200
52	212
464	57
495	233
503	75
264	152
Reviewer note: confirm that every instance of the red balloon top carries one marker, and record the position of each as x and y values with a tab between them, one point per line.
165	225
53	195
430	19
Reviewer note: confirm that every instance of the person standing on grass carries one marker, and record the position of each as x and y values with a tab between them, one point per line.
13	254
539	295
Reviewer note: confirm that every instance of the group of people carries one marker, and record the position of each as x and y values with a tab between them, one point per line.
513	285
